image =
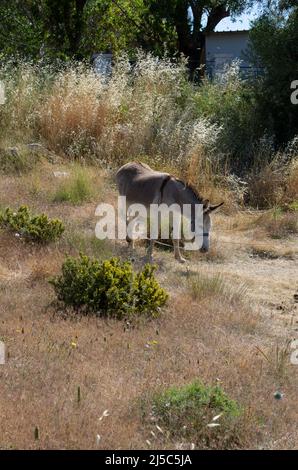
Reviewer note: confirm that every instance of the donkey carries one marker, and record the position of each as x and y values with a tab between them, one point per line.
143	185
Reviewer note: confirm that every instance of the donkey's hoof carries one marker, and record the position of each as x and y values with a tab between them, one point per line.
181	260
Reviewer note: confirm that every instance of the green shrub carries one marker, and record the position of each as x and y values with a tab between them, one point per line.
229	103
189	411
110	287
38	228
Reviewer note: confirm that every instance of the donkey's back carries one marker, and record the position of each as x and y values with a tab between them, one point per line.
139	183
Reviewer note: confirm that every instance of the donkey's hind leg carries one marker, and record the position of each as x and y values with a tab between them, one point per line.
177	233
130	241
150	250
177	252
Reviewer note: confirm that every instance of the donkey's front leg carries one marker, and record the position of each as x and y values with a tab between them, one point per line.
177	252
130	241
150	250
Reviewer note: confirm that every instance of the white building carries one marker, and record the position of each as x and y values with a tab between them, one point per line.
222	48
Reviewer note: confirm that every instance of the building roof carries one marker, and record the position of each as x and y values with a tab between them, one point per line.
229	32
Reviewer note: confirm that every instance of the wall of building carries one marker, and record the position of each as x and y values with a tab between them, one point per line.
223	48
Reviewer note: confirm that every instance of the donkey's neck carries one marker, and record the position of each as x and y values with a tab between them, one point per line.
188	196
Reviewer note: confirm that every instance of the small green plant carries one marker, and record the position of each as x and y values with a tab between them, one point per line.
293	206
88	243
110	287
202	287
77	189
204	414
38	228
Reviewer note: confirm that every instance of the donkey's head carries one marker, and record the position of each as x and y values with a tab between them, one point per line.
208	209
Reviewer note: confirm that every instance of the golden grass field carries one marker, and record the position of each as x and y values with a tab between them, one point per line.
238	336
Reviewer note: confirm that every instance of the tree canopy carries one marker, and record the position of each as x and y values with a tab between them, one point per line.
76	28
274	45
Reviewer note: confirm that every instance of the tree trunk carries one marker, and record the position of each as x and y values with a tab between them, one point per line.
191	38
78	28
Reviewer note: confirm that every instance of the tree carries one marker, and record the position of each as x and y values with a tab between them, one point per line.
274	44
21	28
189	21
114	26
64	24
68	28
76	28
29	26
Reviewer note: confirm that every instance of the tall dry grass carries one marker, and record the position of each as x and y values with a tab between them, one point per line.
210	332
275	182
148	110
140	111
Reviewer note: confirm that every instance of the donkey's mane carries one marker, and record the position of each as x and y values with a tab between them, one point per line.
188	186
191	188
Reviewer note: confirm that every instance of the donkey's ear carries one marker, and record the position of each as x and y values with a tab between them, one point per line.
213	208
206	205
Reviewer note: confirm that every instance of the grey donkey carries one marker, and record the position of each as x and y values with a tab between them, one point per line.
143	185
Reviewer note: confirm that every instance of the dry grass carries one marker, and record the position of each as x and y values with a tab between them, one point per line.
149	111
217	338
49	358
76	187
203	173
136	113
17	161
204	286
291	189
73	118
62	371
275	183
267	251
266	188
279	224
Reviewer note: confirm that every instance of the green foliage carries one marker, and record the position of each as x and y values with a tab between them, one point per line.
293	206
74	28
21	29
172	29
230	104
110	287
67	29
114	26
75	190
186	412
194	396
37	228
274	39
